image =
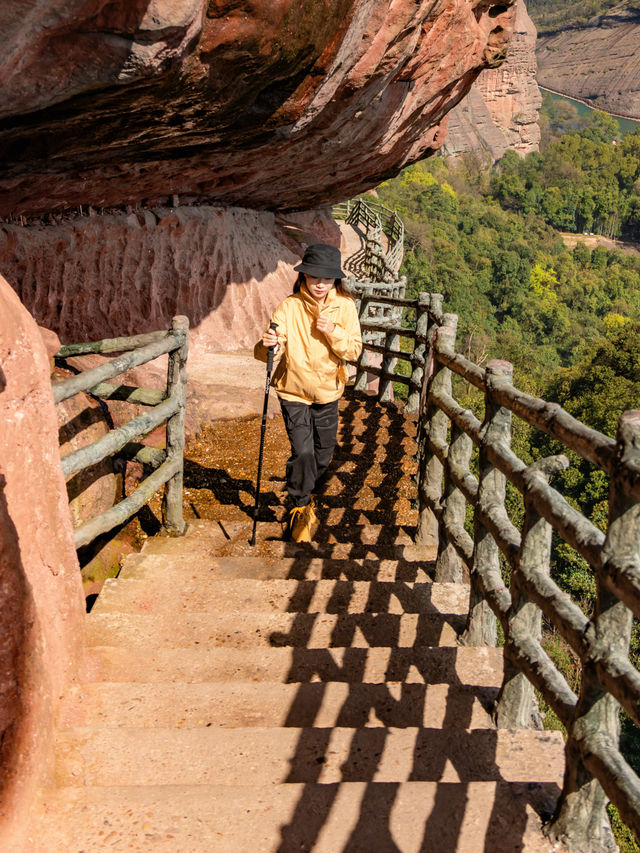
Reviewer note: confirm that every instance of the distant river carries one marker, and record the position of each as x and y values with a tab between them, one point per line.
626	124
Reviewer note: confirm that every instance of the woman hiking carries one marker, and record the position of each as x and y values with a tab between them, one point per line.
317	333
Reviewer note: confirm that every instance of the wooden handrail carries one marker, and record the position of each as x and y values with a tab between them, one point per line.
551	418
128	360
166	405
382	336
111	344
114	440
378	220
446	434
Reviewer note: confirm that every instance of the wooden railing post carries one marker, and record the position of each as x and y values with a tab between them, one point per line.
481	627
385	386
516	707
361	370
419	352
432	425
434	322
176	387
581	818
448	564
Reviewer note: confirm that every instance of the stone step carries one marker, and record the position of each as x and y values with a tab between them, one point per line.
337	524
267	756
200	537
309	630
345	550
340	541
368	534
457	665
270	566
183	705
169	591
331	513
361	817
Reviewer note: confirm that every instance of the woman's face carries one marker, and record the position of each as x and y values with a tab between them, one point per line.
318	287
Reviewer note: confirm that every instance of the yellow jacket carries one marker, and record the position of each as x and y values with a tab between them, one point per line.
311	365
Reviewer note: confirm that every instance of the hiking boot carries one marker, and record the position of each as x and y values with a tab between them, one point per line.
292	521
305	525
302	523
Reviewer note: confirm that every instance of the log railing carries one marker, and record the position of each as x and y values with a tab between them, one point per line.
379	223
447	433
377	266
376	313
382	335
165	405
595	768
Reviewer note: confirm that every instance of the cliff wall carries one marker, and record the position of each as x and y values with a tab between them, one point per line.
262	105
598	62
93	277
41	603
501	110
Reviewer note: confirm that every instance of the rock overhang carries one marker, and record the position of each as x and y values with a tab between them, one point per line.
267	105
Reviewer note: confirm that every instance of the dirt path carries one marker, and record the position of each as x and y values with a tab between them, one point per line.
227	385
593	240
375	475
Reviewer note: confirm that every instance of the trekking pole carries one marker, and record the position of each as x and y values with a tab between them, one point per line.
263	431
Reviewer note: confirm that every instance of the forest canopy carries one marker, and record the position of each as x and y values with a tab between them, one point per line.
550	15
495	243
488	241
567	318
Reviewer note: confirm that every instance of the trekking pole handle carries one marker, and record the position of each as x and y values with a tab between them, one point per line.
271	350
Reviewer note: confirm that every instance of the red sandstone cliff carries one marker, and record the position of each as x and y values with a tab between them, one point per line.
263	105
92	277
501	110
278	106
41	603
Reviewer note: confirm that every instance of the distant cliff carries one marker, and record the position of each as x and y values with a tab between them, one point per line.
597	62
501	110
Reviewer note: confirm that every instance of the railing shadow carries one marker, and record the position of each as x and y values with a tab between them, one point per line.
377	711
238	492
404	714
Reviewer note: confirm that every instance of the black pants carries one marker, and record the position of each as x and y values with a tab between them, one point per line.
312	429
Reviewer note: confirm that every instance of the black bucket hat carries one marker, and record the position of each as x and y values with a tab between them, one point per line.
321	261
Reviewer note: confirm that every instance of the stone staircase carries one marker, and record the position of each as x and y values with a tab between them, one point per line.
291	698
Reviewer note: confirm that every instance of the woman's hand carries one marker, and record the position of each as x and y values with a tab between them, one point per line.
270	338
325	325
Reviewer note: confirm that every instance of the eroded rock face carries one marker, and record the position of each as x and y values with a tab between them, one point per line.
41	602
90	278
501	110
277	105
597	62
